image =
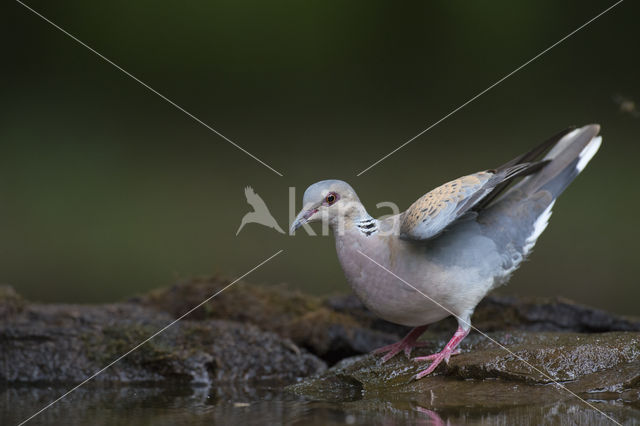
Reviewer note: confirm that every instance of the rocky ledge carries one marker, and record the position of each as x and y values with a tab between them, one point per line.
253	332
600	367
55	343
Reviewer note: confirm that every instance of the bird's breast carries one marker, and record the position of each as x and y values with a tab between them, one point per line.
378	272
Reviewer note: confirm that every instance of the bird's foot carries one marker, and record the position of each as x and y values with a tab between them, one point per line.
405	345
443	355
435	359
434	356
394	349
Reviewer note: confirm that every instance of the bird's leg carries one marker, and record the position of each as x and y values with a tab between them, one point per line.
407	344
445	354
435	419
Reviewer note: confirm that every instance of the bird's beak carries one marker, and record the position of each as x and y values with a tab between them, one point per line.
303	217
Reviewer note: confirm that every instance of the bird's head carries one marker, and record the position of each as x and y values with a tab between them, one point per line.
331	200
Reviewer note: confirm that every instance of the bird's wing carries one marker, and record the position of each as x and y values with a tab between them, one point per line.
254	200
436	210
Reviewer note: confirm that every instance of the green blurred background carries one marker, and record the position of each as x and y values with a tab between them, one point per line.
106	190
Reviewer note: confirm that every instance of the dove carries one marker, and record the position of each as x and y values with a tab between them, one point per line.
260	213
454	244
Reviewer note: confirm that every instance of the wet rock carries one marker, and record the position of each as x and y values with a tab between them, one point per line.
68	343
305	319
546	357
594	366
338	327
251	333
259	332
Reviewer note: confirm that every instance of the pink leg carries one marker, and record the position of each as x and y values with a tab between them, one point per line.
407	344
435	419
445	354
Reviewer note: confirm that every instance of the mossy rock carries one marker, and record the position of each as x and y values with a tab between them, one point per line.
489	376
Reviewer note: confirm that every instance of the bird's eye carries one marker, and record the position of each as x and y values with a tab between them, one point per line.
331	198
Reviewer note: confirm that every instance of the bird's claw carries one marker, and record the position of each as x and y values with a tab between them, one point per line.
390	351
435	359
394	349
436	355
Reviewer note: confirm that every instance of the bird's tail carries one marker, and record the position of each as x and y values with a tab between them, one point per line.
568	157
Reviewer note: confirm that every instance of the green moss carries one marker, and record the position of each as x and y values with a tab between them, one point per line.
112	342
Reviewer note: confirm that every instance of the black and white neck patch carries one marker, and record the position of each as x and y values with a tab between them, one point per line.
367	226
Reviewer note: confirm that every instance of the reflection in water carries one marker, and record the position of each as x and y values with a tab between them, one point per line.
268	403
435	419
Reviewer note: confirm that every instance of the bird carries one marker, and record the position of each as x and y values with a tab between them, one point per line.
260	213
454	244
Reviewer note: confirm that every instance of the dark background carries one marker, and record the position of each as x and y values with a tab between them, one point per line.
106	190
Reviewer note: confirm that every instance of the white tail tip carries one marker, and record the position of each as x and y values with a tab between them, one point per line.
588	152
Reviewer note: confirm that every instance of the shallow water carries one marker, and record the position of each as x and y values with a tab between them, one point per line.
270	404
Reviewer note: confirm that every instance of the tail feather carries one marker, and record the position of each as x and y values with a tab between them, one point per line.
524	210
533	157
565	161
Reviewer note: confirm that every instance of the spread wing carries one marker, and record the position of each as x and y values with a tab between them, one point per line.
436	210
254	200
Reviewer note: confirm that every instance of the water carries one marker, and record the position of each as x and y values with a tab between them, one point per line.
269	403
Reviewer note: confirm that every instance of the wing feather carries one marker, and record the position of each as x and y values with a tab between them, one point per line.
432	212
437	209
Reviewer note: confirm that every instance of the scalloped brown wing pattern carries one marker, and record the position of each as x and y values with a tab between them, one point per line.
435	210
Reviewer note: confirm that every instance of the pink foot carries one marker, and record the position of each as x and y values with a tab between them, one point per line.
434	356
444	355
405	345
